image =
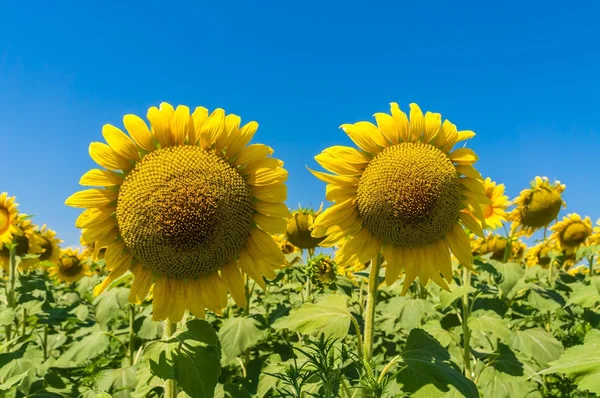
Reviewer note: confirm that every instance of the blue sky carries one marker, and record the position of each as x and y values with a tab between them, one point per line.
524	76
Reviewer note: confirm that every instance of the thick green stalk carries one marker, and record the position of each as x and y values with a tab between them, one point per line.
45	342
170	385
12	275
465	319
131	334
370	310
24	324
309	257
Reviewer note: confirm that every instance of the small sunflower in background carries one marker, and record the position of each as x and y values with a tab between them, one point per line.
285	245
537	207
496	245
28	244
404	190
571	232
186	205
8	219
49	243
580	269
567	260
89	249
299	226
322	270
70	267
494	212
595	238
539	254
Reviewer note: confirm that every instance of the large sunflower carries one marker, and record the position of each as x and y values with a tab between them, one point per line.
70	267
185	204
571	232
8	219
495	211
537	206
539	254
404	190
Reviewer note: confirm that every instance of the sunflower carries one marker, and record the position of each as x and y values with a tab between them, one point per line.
517	250
49	244
571	232
186	204
580	269
8	219
27	244
70	267
595	238
537	206
285	245
568	259
539	254
89	250
322	270
404	190
299	226
495	211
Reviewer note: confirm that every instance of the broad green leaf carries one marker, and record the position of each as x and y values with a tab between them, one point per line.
407	313
109	304
25	358
545	300
84	350
7	316
238	334
113	380
434	328
537	344
581	363
447	298
586	296
491	323
329	316
424	363
510	274
13	381
191	357
505	376
147	329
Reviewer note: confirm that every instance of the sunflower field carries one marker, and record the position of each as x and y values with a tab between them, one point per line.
418	276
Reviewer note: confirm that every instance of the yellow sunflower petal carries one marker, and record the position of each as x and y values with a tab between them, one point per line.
389	128
161	126
100	178
253	153
107	158
270	193
198	118
234	282
243	137
181	124
342	181
139	132
91	198
401	122
120	142
365	135
463	156
433	124
273	225
140	286
459	243
417	122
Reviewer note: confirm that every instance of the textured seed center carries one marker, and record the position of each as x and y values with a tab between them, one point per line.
541	207
46	245
575	234
298	232
4	220
70	266
409	195
184	212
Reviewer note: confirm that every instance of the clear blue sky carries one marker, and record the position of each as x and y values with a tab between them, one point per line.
524	76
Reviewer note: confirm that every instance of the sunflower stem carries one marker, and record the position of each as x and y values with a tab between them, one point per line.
309	257
170	385
24	324
465	325
370	309
12	273
359	344
45	342
132	311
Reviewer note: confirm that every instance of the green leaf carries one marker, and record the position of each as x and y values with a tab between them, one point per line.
113	380
581	363
505	376
329	316
426	364
109	303
191	357
586	296
489	322
83	351
434	328
238	334
510	273
407	313
447	298
7	316
545	300
13	381
537	344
